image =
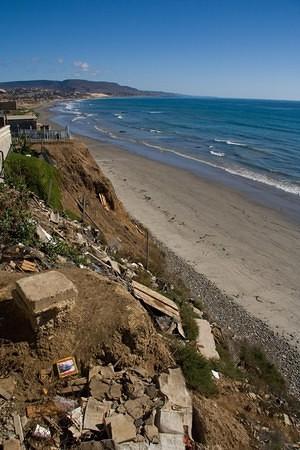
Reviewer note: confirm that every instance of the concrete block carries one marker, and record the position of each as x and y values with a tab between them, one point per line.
46	291
122	428
205	341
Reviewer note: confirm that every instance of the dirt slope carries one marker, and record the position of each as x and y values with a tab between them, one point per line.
82	177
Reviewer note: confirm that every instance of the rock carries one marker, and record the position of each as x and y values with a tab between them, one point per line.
115	392
151	391
287	420
41	297
98	388
121	428
169	421
91	445
135	388
152	434
12	444
54	217
138	407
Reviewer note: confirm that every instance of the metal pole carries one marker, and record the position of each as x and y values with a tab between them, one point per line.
147	249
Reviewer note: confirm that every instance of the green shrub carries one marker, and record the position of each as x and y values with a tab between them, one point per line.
16	224
37	175
260	369
188	321
58	247
225	364
195	367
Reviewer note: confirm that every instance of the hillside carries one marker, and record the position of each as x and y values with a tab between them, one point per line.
80	86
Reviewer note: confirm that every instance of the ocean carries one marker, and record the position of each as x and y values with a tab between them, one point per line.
256	141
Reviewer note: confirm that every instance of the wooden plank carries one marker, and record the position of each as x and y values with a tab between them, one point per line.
156	298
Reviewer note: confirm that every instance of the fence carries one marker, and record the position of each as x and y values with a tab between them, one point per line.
43	135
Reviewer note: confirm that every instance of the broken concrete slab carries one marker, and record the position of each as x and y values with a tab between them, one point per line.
94	414
170	421
115	392
121	428
205	340
172	385
18	427
102	372
46	290
98	388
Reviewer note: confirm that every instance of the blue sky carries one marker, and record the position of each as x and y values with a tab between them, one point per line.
230	48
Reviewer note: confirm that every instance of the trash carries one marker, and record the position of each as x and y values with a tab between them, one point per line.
18	427
76	416
41	432
42	234
28	266
94	414
287	420
158	302
54	217
138	407
205	340
115	266
7	387
45	375
103	202
215	374
121	428
104	372
51	408
66	367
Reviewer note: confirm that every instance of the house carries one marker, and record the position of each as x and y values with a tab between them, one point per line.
19	122
9	105
5	143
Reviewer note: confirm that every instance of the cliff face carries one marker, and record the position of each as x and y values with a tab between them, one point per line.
83	184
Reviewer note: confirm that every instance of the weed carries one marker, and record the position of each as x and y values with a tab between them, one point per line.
195	367
37	175
16	224
58	247
260	369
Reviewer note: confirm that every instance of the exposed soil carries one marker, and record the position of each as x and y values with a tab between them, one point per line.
82	178
106	322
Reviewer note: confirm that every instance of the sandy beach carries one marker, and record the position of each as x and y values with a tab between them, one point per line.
249	251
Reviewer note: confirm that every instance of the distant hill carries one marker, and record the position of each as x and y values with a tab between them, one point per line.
79	86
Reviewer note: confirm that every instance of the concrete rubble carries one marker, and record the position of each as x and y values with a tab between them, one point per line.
205	340
44	296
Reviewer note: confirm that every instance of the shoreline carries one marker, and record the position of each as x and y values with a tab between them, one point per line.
244	248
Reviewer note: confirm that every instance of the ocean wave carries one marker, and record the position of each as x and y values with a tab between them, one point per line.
245	173
155	131
225	141
78	118
119	116
155	112
212	152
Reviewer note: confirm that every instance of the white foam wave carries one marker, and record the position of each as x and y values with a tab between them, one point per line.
155	131
224	141
245	173
212	152
78	118
155	112
119	116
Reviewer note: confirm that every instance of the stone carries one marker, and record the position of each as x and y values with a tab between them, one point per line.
18	427
94	414
98	388
138	407
91	445
115	392
42	234
169	421
135	388
152	434
121	428
103	372
151	391
12	444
